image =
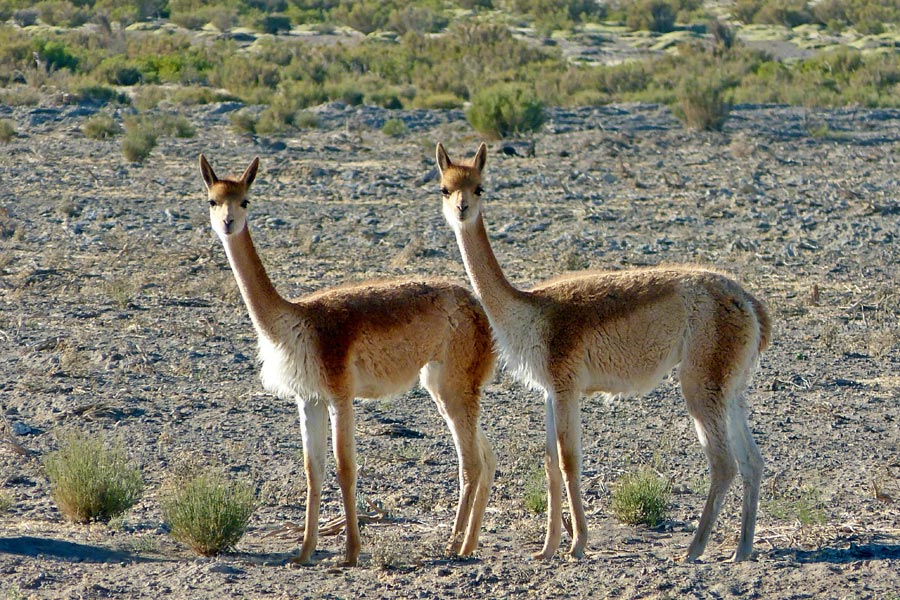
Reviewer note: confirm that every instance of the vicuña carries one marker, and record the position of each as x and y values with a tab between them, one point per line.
620	332
370	339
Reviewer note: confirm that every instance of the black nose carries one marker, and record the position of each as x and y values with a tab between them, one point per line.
462	209
227	224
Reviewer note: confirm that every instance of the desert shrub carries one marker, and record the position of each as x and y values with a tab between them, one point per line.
101	127
305	119
386	98
536	491
505	109
7	131
576	11
651	15
803	505
394	128
92	482
242	121
175	126
345	91
54	54
25	17
703	104
421	19
98	94
789	13
745	10
139	140
641	497
118	70
273	24
365	16
442	101
206	512
62	13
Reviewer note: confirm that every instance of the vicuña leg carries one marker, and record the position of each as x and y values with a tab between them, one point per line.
706	404
750	464
568	441
344	440
458	404
313	429
554	485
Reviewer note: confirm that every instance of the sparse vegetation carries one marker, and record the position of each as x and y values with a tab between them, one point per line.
139	140
90	481
702	104
7	131
505	109
416	69
536	491
394	128
101	127
206	512
641	497
803	505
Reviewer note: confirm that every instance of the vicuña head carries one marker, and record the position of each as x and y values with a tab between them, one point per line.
620	332
369	339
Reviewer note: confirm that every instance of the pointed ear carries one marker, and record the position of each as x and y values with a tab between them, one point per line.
209	177
480	157
250	174
443	161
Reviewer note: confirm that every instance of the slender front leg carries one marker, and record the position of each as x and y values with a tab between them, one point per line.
342	428
568	440
313	428
554	486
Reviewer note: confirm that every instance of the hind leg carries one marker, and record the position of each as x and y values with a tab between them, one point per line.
460	407
707	407
344	441
751	465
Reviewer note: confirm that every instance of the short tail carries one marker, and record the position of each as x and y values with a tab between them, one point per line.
765	323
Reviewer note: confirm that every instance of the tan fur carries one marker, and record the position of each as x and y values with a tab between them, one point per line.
619	333
369	339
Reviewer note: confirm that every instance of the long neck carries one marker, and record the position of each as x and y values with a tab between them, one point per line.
496	294
260	296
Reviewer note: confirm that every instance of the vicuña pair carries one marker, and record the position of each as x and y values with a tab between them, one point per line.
614	332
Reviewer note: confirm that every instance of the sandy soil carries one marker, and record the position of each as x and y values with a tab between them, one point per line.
120	317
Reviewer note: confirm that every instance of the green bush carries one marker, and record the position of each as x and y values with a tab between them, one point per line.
505	109
305	119
641	497
242	121
207	513
394	128
101	127
7	131
536	491
273	24
91	482
139	140
702	104
651	15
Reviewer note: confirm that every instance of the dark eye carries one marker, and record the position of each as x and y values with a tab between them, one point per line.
445	191
212	203
479	190
245	204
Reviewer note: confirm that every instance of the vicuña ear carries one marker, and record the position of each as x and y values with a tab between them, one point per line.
209	176
480	157
443	160
250	174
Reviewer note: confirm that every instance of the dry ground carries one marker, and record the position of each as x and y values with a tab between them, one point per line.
119	316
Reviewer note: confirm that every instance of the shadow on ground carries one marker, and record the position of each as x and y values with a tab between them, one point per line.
852	553
26	545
